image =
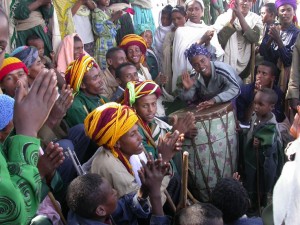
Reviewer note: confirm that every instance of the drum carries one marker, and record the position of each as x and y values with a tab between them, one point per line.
213	153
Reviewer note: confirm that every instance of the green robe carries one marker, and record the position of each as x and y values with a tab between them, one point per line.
20	182
81	107
22	12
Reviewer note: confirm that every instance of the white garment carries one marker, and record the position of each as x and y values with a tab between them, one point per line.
184	38
83	28
159	38
238	48
286	194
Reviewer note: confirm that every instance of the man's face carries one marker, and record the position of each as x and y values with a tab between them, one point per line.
92	83
286	14
201	64
128	73
134	54
9	82
117	59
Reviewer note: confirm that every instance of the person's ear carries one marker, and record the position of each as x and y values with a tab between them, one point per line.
117	145
82	85
100	211
109	61
119	81
272	106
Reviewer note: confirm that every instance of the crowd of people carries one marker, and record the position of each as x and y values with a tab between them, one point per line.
98	102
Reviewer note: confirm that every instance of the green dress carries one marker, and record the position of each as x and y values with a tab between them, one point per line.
22	12
20	182
105	32
81	107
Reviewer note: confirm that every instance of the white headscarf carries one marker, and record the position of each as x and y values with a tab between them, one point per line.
200	1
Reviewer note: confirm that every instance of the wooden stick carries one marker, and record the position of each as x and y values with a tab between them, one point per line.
170	201
57	208
192	197
184	190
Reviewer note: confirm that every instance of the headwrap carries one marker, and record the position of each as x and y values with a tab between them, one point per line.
76	70
133	39
27	55
6	110
200	2
138	89
141	28
107	124
10	64
194	50
279	3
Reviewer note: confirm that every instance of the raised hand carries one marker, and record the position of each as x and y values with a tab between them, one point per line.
169	145
187	81
31	110
206	38
116	15
50	161
62	104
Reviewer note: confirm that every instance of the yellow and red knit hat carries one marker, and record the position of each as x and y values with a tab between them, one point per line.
10	64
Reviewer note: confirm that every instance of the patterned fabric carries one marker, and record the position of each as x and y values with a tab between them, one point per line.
106	31
133	39
77	69
194	50
6	110
107	124
20	180
10	64
143	16
137	89
27	55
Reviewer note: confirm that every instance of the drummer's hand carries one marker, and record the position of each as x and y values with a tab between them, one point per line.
184	124
187	81
256	142
169	145
206	104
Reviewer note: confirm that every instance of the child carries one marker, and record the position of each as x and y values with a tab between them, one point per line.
232	199
200	214
37	42
92	199
165	26
263	150
178	18
105	28
124	73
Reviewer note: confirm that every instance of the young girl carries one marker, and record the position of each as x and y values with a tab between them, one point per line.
178	17
105	25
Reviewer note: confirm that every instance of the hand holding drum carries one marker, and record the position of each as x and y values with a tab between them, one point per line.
206	104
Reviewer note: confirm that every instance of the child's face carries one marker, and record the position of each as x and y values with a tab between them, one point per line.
262	105
264	76
111	194
39	44
194	11
9	82
134	54
266	16
146	107
147	35
178	19
104	2
165	20
129	73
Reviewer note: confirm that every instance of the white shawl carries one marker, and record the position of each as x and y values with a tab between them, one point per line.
286	194
238	49
159	38
184	38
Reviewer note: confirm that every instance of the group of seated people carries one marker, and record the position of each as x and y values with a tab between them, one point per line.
90	143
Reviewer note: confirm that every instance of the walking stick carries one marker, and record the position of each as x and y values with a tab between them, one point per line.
257	179
184	192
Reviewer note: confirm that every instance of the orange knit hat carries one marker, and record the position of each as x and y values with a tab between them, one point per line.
11	64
